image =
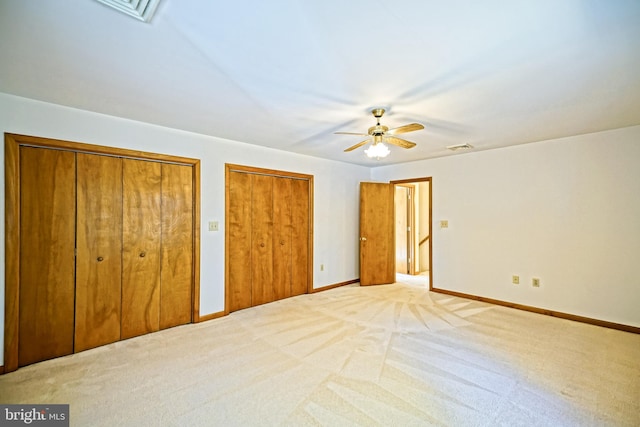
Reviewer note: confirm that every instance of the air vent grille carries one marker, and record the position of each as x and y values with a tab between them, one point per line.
139	9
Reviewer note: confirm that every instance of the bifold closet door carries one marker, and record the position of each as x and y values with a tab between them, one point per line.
141	233
300	236
99	246
176	289
239	244
261	263
47	242
282	236
268	238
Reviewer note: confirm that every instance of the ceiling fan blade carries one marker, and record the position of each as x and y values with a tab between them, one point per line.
404	129
359	144
351	133
399	142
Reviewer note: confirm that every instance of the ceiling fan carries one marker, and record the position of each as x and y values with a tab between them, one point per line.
379	133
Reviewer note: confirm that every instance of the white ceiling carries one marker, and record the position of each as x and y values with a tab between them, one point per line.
288	74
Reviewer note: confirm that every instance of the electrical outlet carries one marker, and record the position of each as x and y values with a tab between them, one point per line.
444	223
321	267
213	225
535	282
515	280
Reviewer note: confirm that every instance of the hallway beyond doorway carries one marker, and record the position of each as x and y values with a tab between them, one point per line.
421	279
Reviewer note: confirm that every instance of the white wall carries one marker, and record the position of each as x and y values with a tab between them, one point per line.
336	186
566	211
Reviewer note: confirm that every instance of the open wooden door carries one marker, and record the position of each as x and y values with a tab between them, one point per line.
377	237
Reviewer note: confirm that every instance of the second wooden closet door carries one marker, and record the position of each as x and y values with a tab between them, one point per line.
271	232
268	238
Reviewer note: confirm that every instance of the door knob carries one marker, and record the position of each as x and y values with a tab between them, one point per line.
363	239
142	254
100	259
262	245
282	242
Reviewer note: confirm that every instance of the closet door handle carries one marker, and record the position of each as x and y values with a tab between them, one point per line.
262	245
142	254
282	242
100	259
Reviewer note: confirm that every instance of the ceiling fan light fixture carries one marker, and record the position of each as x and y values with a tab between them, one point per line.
377	151
376	134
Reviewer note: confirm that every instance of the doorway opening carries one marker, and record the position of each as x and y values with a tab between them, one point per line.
413	253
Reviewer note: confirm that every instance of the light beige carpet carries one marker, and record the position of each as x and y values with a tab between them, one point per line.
393	355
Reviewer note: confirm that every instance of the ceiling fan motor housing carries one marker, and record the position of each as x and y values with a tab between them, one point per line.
378	130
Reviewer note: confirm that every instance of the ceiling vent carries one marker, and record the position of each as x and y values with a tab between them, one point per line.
139	9
458	147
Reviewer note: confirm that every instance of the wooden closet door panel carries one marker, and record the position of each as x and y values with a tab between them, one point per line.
141	230
262	239
239	244
47	264
176	275
282	228
99	245
300	236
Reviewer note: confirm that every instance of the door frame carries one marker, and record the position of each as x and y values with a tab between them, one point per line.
409	232
230	167
430	181
12	145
